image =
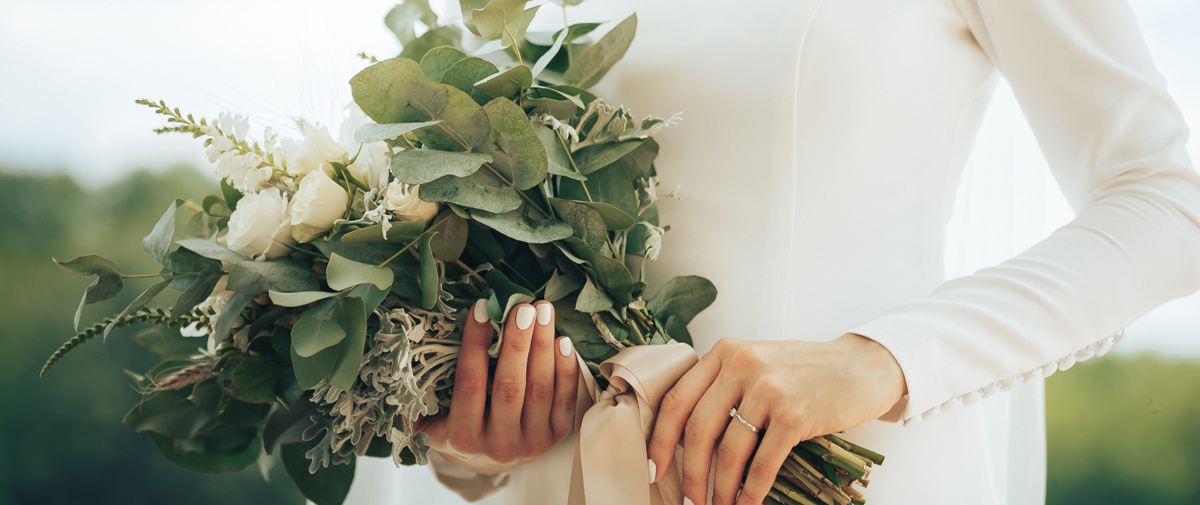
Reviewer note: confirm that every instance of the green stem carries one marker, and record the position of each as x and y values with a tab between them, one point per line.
144	315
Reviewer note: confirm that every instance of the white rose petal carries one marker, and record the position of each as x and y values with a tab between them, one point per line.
260	226
373	162
317	204
401	200
315	152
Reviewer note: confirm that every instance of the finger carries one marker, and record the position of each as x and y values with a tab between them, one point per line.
566	371
674	410
707	422
735	449
508	385
469	400
539	385
778	440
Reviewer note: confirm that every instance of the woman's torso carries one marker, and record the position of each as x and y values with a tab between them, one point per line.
820	148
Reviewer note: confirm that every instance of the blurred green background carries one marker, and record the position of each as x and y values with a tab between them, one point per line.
1121	430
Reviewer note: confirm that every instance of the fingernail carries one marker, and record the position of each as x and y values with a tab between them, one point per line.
686	501
564	348
480	311
525	317
545	311
653	470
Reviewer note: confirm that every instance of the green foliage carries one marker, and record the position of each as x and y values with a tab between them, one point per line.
596	61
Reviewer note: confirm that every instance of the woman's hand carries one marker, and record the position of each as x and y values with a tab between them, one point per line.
533	392
792	391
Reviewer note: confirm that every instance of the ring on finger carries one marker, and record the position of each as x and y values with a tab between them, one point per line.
734	413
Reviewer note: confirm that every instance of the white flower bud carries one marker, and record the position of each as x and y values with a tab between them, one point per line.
317	204
260	226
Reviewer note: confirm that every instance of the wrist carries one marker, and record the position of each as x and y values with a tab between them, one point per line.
877	363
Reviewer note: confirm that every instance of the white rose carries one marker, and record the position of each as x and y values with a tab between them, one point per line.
260	225
314	152
373	163
317	204
401	200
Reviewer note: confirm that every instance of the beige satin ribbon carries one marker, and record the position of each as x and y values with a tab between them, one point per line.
613	426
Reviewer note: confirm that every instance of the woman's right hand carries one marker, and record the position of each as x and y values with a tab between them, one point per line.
533	393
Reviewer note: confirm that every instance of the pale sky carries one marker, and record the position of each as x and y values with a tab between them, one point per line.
71	70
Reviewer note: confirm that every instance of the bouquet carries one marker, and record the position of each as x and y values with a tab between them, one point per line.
329	280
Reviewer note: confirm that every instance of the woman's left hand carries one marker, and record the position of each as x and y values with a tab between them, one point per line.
791	391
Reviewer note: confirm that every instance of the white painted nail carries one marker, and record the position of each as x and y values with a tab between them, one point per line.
525	317
545	313
686	501
480	311
564	348
653	470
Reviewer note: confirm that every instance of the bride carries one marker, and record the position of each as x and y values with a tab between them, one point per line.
821	150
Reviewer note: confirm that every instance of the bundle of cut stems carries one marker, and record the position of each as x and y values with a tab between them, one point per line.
824	471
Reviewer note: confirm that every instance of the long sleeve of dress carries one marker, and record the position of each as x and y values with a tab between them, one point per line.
1115	141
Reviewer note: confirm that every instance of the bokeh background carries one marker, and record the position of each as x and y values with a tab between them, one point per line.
81	172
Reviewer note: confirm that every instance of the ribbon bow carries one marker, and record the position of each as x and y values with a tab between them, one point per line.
611	434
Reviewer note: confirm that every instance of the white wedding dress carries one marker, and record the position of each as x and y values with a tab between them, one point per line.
819	155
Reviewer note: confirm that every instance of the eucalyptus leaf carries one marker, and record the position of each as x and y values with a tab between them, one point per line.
400	232
298	299
507	83
231	195
210	249
518	27
324	486
372	132
492	20
253	380
232	311
593	158
429	274
254	277
198	291
310	371
166	343
682	297
558	161
562	285
158	242
398	91
592	299
437	61
285	424
609	186
585	337
418	166
211	463
435	37
587	223
544	60
612	274
506	292
352	316
516	151
168	413
464	74
588	68
317	329
478	191
108	281
518	226
451	237
343	273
